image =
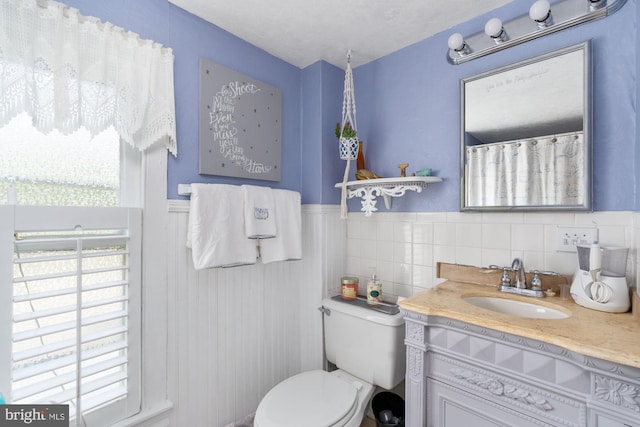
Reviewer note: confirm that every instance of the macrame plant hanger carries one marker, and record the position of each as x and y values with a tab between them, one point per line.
348	145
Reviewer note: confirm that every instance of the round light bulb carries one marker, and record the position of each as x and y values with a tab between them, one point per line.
539	11
456	41
493	28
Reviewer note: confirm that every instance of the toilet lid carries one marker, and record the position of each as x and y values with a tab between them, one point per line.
310	399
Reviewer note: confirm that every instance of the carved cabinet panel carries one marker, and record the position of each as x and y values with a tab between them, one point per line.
526	399
453	407
602	420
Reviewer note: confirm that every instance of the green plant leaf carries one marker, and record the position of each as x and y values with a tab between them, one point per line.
347	132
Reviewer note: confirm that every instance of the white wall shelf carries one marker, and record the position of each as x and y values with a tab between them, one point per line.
369	189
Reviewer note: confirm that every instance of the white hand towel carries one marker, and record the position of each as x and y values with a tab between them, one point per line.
287	245
216	227
259	219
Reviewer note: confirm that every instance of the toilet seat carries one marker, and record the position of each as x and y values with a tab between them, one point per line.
310	399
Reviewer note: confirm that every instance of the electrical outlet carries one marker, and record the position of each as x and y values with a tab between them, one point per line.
567	238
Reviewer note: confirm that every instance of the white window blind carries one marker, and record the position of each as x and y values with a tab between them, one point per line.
75	309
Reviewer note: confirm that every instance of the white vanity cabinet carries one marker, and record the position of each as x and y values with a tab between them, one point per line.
459	375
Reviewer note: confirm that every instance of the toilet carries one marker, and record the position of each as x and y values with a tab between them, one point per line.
367	347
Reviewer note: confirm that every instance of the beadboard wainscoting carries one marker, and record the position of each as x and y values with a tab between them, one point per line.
236	332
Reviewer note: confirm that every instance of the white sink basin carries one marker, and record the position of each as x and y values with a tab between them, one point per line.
516	308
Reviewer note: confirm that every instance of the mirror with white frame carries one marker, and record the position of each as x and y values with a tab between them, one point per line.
526	134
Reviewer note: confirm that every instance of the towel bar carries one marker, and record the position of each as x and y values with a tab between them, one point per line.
184	189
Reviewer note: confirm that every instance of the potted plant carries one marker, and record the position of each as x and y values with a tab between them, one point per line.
348	141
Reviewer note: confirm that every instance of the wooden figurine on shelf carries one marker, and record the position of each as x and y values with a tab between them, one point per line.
403	169
366	174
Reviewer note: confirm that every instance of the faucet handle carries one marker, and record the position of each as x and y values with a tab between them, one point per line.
536	283
506	277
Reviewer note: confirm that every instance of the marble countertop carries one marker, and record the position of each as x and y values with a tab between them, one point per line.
609	336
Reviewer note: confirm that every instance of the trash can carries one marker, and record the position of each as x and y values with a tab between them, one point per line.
388	408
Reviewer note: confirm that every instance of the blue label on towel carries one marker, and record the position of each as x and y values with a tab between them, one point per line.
261	213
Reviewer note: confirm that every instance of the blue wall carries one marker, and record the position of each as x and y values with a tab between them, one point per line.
408	102
322	106
192	38
408	107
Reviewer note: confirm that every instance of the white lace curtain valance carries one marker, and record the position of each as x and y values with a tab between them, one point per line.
67	70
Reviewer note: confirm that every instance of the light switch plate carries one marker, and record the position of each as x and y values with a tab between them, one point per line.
567	238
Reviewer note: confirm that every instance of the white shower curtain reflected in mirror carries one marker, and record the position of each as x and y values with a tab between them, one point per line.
544	171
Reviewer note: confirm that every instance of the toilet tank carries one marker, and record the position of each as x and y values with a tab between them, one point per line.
364	342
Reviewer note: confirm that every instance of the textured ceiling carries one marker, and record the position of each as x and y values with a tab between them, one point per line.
302	32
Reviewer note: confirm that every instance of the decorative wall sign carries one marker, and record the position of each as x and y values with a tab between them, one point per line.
240	125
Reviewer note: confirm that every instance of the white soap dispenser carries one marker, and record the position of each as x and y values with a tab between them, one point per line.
374	290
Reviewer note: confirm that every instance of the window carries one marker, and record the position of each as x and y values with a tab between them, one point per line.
75	322
71	258
67	170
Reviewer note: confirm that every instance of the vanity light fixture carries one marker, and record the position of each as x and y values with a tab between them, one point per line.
540	12
540	21
494	29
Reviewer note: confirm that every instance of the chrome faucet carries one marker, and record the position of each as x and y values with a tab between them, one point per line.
519	283
521	278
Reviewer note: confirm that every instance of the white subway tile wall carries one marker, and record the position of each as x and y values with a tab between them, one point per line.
404	248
